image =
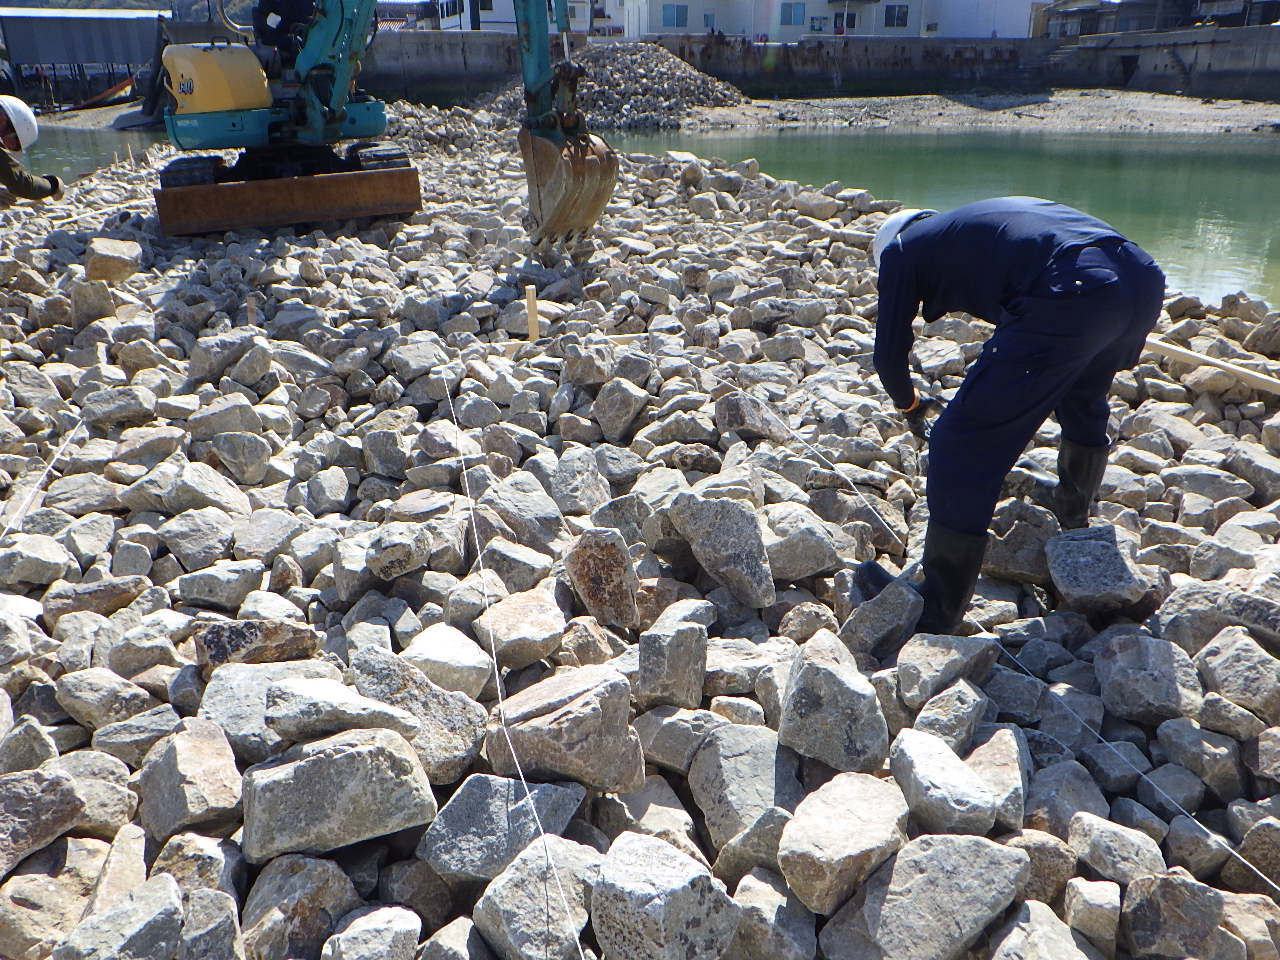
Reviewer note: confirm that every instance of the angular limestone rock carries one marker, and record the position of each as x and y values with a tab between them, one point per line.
489	820
572	726
838	836
927	902
830	711
521	914
315	797
653	902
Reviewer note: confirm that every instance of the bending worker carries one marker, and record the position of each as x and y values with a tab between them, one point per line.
1072	302
18	131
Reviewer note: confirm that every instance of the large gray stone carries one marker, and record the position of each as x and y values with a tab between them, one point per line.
1002	761
315	797
798	542
1236	666
236	700
489	820
738	775
294	906
189	779
838	836
1168	916
884	621
254	641
726	541
211	927
930	902
453	724
96	697
46	896
457	940
374	933
309	707
1117	853
521	913
652	902
1146	679
527	508
551	723
1091	572
36	807
944	794
146	924
774	924
928	663
830	711
1036	933
197	862
523	628
1057	793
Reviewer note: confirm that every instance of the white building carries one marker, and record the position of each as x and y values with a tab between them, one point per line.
786	20
602	17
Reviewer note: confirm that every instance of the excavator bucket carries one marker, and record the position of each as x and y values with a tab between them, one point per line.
570	181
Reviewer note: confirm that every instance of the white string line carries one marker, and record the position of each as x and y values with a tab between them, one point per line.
1125	760
44	475
502	706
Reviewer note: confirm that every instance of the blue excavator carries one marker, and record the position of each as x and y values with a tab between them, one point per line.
283	92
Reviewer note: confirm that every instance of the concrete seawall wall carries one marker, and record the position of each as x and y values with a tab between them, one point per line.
439	65
1203	62
852	65
453	66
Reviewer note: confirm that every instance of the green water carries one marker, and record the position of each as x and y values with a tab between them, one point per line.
71	153
1207	208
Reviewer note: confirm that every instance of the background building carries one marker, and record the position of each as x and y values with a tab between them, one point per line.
785	20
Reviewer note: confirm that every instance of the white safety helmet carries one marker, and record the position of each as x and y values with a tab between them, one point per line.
22	120
893	226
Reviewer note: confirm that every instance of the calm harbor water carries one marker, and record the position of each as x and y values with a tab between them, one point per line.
1207	208
71	153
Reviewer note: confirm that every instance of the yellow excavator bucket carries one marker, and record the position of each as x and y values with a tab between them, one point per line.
570	181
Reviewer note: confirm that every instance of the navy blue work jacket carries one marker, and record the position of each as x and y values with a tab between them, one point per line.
974	259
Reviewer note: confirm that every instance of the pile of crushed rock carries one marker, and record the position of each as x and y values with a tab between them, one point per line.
313	509
632	86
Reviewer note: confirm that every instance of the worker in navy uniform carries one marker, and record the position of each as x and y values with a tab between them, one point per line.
1072	302
18	131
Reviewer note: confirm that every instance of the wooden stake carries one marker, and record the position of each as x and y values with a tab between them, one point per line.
1259	381
531	311
130	146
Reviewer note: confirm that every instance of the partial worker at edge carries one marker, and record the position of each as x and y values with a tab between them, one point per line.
1072	301
18	131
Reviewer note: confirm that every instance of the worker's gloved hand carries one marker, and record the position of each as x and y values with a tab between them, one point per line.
920	413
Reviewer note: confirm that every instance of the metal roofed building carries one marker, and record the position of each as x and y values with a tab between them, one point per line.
38	36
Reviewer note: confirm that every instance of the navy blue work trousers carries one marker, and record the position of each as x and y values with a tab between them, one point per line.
1055	350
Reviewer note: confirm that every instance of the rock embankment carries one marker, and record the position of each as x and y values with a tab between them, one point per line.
633	86
310	512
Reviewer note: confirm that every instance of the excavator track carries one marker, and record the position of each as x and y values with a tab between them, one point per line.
201	194
570	182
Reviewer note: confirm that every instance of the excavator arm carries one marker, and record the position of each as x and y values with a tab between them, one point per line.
571	172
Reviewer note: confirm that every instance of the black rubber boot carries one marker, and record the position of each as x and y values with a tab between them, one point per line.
1080	470
951	562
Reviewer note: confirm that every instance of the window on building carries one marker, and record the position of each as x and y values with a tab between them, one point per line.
709	21
675	14
486	5
573	12
793	14
933	28
895	14
845	21
818	24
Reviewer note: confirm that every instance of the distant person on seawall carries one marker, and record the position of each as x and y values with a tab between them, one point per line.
18	131
1072	302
